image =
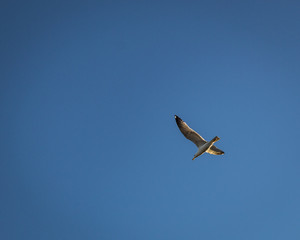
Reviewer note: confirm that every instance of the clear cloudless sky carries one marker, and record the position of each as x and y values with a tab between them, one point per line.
89	146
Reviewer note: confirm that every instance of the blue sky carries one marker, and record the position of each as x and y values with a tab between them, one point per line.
89	145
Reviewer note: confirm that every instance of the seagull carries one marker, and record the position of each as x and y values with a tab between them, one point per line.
203	146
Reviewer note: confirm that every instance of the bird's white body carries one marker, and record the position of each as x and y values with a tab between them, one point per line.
205	147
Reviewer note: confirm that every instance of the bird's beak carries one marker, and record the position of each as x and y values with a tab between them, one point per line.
193	158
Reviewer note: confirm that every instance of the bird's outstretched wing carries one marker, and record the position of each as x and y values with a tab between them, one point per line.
189	133
215	151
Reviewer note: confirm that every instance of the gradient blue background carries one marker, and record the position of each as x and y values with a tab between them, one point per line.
89	145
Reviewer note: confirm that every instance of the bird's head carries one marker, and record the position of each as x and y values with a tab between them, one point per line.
216	138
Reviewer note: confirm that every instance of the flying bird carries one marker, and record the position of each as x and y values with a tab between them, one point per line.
203	146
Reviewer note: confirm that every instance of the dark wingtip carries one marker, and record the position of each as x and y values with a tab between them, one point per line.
178	119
